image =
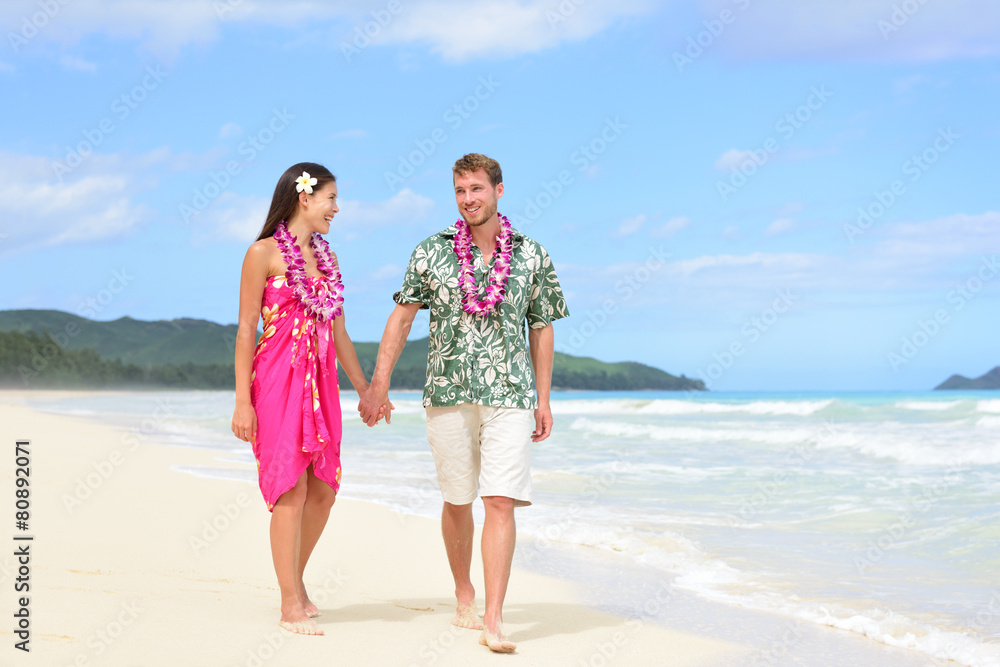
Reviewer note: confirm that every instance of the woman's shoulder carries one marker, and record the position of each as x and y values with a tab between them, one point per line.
265	255
265	245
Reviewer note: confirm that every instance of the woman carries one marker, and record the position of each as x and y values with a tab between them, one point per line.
287	398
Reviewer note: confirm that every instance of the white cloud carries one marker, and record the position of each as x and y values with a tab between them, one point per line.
74	62
233	217
386	272
403	208
779	226
499	28
732	159
496	28
671	227
947	237
859	30
631	225
230	130
918	262
94	202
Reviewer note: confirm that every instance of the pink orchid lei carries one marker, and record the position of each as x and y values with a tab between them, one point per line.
325	305
496	288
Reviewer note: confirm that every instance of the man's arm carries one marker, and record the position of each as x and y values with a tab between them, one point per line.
542	343
393	341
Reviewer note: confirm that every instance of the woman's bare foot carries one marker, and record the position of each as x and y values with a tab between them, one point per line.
306	627
310	609
497	641
295	619
466	616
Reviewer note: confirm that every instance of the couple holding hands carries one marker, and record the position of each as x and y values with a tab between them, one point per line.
486	393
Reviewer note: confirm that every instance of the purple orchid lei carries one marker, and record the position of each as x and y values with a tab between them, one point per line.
496	287
323	304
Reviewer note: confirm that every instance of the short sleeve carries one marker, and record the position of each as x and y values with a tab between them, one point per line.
547	303
414	289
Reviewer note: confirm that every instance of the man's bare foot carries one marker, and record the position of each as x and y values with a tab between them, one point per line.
497	641
466	616
306	627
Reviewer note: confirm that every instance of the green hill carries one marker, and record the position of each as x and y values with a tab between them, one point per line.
990	380
52	348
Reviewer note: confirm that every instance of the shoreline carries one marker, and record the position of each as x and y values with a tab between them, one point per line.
589	601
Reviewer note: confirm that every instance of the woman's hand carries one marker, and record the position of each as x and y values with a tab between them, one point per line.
245	423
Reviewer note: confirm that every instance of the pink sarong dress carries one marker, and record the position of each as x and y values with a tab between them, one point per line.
293	390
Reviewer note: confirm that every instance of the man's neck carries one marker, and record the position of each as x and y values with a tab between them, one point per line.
485	236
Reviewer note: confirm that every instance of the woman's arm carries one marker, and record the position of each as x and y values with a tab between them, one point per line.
252	280
348	359
346	355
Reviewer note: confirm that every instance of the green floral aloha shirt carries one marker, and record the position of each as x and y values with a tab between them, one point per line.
482	360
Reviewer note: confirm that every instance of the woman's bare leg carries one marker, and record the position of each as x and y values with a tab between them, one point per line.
319	500
286	536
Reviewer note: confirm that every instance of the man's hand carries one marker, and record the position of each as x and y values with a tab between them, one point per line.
543	423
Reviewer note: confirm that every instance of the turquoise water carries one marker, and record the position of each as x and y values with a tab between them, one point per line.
877	513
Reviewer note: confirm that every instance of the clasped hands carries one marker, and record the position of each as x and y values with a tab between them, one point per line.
374	405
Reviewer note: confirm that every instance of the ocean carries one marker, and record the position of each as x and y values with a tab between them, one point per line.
877	513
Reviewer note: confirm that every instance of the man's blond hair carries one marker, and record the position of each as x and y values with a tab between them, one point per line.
473	161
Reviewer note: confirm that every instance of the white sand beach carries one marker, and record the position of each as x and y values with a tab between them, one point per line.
134	563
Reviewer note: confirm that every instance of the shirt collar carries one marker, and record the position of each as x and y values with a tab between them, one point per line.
450	233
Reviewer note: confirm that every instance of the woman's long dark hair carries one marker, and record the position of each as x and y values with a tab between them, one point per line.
286	197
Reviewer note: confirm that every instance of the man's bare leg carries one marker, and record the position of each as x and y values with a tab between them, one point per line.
286	536
499	536
315	512
458	529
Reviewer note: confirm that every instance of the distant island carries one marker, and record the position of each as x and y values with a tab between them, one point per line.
990	380
52	348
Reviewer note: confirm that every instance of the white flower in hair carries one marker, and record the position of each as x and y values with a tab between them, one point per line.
304	182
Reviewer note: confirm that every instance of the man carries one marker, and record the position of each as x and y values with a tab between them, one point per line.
482	281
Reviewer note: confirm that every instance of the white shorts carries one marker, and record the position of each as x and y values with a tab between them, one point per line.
481	450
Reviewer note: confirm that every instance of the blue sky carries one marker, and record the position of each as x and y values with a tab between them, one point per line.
766	195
